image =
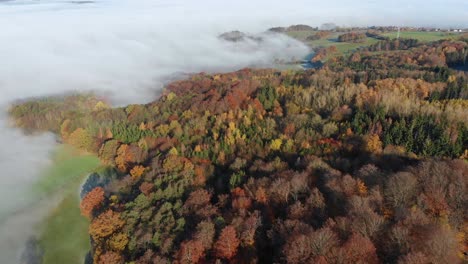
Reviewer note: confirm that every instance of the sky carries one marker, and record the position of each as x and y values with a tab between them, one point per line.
127	49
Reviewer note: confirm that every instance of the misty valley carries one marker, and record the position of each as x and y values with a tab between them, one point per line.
160	131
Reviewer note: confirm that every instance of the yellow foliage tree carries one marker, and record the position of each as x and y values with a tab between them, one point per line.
173	151
452	78
361	188
137	171
163	130
171	96
118	241
276	144
81	138
221	157
65	129
100	106
198	148
109	134
373	144
120	160
105	225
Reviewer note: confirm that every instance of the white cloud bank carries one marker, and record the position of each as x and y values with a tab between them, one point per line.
120	46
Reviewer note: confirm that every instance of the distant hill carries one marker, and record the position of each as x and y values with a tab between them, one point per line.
237	36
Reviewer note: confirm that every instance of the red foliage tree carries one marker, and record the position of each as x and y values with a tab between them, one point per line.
191	252
200	176
359	249
92	201
297	249
146	188
261	195
240	201
249	228
227	244
110	257
199	204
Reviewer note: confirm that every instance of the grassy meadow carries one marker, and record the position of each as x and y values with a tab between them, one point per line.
345	47
422	36
331	40
64	233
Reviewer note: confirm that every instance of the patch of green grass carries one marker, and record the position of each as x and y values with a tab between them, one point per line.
69	165
342	47
422	36
301	35
64	237
64	233
345	47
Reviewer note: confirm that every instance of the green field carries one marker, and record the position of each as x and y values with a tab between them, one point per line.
345	47
64	233
422	36
69	165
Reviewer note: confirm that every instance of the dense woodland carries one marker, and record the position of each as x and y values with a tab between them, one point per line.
354	37
319	35
362	161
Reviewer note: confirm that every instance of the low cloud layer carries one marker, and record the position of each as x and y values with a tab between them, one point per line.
116	47
21	158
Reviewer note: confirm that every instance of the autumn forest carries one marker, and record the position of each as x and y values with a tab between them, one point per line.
361	161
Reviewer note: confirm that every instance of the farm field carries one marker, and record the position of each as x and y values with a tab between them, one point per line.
346	47
422	36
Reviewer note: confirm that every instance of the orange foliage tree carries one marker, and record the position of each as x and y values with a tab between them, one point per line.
261	195
240	200
137	171
200	176
361	188
120	160
105	225
92	201
227	244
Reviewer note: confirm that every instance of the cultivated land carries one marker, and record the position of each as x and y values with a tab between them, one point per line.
422	36
64	237
346	47
331	40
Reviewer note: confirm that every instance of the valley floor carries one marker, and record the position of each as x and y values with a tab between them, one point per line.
64	232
